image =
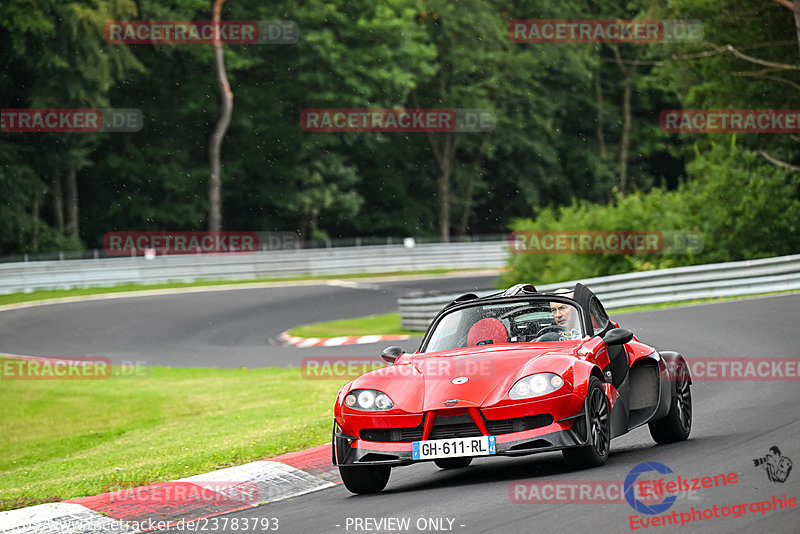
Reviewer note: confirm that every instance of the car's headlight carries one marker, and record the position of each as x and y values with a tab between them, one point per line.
368	400
535	385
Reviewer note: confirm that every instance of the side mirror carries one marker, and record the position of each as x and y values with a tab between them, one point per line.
617	336
390	354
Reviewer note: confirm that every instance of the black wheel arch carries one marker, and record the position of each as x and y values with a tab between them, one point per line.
673	359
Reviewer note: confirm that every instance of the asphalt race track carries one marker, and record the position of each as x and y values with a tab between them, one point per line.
734	422
208	329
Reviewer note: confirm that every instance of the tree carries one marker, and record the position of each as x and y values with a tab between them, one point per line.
747	59
215	144
56	56
470	42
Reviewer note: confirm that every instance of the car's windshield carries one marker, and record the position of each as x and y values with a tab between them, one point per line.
534	320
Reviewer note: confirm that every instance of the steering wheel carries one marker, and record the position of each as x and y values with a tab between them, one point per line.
550	328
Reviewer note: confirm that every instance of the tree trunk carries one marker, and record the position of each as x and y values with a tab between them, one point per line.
473	176
467	211
444	205
302	228
58	199
624	143
226	95
625	138
72	202
444	158
35	215
598	90
309	224
796	9
600	131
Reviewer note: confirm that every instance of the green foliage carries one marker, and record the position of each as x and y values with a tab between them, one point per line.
556	141
745	207
54	55
20	187
742	206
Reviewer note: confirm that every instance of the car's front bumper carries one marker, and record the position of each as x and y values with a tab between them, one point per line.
560	434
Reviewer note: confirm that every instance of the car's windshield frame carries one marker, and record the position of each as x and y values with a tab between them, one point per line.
542	298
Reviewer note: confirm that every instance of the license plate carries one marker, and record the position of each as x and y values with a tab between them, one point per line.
453	448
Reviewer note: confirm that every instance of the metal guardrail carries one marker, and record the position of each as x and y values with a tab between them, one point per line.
267	241
648	287
103	272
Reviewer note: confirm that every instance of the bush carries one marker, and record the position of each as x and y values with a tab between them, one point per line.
743	207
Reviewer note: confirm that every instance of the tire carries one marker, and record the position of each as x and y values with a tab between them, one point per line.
595	452
365	478
677	424
452	463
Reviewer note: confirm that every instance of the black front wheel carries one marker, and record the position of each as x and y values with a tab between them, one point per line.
595	452
677	424
452	463
365	478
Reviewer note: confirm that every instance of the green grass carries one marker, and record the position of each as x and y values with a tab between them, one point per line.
384	325
15	298
69	438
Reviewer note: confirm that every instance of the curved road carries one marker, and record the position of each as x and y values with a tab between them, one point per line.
734	422
231	328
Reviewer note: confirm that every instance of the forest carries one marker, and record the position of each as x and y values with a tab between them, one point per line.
577	142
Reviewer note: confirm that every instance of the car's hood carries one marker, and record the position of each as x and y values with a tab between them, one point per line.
421	382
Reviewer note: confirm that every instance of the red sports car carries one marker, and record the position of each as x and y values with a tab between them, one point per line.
514	373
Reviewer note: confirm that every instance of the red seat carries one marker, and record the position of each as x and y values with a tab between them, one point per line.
487	331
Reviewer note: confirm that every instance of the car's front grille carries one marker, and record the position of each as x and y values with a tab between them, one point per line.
409	434
463	430
518	424
456	427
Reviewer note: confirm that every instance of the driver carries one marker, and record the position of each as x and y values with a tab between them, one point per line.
566	316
